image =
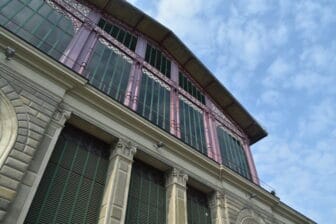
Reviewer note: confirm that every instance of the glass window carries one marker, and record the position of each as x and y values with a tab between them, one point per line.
187	85
109	70
120	34
39	24
192	126
233	155
154	101
197	207
158	60
147	196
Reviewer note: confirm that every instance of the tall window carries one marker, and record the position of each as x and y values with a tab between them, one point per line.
156	58
147	196
197	207
73	183
192	126
109	70
188	86
37	23
232	152
120	34
154	101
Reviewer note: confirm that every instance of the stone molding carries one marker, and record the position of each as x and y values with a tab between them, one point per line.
125	149
249	216
176	176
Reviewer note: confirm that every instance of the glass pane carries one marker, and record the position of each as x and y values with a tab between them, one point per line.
39	24
192	127
154	102
108	71
233	155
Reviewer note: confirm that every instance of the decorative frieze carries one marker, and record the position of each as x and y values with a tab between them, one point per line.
71	15
190	103
116	50
156	79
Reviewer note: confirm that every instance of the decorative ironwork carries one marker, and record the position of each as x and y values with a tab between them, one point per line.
116	50
190	103
56	5
156	79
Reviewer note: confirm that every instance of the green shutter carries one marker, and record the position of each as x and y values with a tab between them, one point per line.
147	196
37	23
233	155
154	102
72	186
192	126
197	207
109	71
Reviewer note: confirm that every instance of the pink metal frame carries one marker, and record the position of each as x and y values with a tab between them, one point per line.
78	53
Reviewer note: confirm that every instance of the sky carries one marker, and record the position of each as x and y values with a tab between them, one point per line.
278	58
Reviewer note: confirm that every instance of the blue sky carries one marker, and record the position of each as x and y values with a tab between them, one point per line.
278	58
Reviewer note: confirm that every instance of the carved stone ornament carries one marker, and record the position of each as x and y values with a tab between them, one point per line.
8	127
248	216
176	176
125	148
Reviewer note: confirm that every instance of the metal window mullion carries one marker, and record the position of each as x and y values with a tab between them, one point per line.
100	58
145	94
67	180
79	186
158	104
40	23
190	120
18	11
151	99
102	80
201	132
241	162
121	75
194	127
5	4
184	114
30	17
51	183
92	187
114	64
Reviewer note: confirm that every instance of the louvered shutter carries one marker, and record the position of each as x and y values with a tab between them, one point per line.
147	196
72	186
197	207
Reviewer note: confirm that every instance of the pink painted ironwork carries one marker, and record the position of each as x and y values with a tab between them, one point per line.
250	162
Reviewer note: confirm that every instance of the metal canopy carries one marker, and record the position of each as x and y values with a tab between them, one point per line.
139	21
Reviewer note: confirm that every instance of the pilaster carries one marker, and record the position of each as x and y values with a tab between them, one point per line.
113	209
217	207
176	182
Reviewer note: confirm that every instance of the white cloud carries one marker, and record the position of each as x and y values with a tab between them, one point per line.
277	72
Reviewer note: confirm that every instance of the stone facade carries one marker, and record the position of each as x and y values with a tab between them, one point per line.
39	96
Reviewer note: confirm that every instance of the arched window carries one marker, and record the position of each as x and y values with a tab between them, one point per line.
38	23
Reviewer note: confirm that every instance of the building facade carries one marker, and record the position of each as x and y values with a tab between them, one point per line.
107	117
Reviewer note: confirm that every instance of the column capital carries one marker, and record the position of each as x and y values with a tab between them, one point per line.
176	176
124	148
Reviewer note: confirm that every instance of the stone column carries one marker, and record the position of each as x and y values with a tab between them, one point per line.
217	207
176	197
113	209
